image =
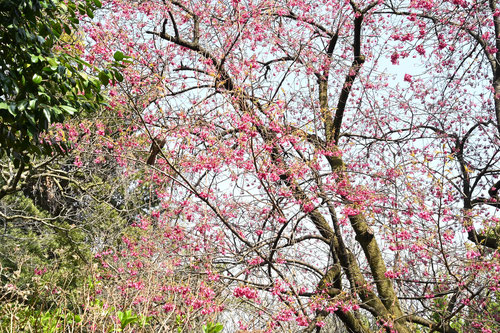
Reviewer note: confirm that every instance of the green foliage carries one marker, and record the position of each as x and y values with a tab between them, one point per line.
179	321
128	318
212	328
50	321
458	325
39	83
39	266
45	252
42	308
24	248
440	304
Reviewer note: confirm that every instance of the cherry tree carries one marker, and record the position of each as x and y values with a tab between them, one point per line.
338	160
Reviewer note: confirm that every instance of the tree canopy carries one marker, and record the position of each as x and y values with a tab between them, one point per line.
41	81
274	166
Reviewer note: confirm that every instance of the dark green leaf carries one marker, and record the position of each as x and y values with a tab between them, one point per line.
21	105
30	118
67	29
118	76
13	109
32	104
90	13
104	78
52	62
118	56
46	113
37	79
68	109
